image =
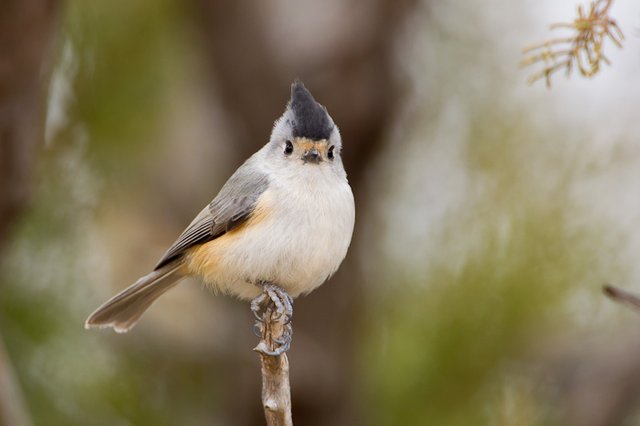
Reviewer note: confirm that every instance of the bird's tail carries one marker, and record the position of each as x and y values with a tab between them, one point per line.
124	309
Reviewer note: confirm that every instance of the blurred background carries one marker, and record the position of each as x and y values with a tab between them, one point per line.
489	213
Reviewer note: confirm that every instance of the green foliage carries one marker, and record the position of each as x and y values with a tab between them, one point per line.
125	54
450	340
69	375
120	59
441	344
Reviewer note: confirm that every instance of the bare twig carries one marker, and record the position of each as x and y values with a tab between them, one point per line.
276	391
622	296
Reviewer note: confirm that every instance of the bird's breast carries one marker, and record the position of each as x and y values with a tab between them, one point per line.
296	237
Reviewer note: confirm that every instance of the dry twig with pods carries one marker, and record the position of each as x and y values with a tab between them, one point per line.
584	49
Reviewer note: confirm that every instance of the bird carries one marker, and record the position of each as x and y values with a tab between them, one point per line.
280	226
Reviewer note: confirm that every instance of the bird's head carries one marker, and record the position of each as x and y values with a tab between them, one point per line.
305	133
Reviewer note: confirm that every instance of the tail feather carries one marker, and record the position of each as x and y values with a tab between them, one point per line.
123	310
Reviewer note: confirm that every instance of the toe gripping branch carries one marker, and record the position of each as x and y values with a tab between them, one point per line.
273	310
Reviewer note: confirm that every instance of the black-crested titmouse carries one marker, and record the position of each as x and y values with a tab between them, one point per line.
283	220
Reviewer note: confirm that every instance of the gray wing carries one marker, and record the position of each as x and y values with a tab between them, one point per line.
231	207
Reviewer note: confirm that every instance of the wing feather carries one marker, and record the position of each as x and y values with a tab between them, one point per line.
230	208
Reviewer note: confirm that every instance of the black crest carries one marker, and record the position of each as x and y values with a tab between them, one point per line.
311	119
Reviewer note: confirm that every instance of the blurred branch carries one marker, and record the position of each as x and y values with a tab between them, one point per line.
26	28
276	391
622	296
12	408
582	50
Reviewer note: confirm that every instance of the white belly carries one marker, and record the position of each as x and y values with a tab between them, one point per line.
299	237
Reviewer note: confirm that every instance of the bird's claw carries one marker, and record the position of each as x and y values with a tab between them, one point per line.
287	334
282	307
280	299
257	329
284	343
256	306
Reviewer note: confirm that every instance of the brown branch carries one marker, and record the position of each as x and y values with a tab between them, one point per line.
27	34
276	391
622	296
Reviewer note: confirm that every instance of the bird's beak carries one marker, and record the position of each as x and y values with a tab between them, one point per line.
311	156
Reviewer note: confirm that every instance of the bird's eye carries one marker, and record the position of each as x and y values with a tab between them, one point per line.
330	153
288	148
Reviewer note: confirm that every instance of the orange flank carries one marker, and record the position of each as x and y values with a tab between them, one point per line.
204	259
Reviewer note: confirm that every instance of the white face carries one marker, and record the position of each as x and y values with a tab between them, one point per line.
285	150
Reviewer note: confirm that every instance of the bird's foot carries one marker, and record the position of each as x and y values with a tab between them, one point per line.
276	296
256	307
280	344
274	305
